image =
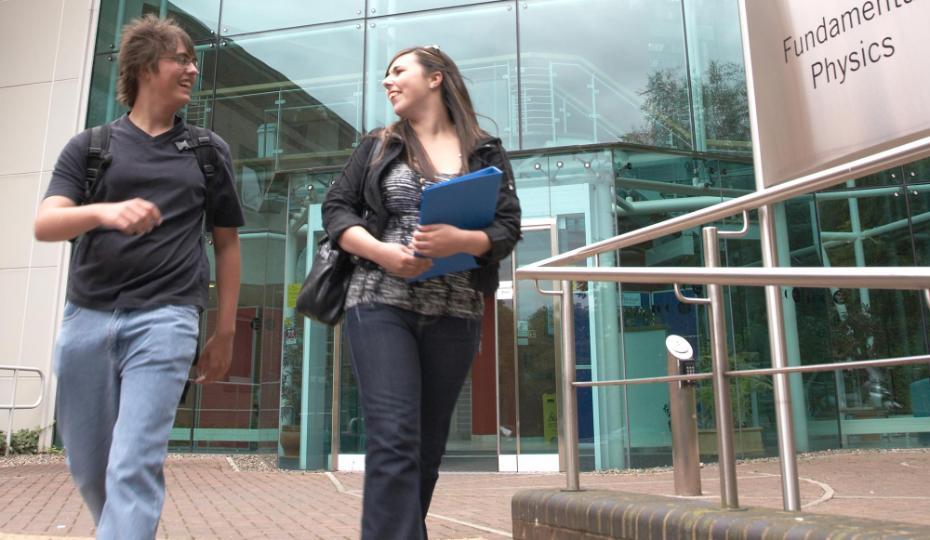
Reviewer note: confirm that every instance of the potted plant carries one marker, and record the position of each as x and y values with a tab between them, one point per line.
747	438
291	388
639	318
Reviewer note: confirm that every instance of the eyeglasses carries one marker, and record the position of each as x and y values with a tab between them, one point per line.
182	60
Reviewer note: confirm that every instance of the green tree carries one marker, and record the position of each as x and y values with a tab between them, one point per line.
667	109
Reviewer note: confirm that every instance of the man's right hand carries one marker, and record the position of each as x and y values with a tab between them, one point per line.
60	218
132	217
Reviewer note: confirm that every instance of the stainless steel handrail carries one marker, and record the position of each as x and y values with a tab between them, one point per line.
719	357
645	380
231	383
771	276
16	370
892	277
907	278
12	407
809	368
801	186
335	434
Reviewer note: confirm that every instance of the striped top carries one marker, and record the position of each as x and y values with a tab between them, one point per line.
451	294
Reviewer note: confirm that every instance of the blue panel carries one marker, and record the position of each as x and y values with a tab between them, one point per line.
678	318
583	358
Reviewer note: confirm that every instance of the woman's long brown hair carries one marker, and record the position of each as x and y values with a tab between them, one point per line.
458	105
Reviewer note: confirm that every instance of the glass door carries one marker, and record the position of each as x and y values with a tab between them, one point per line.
528	343
507	413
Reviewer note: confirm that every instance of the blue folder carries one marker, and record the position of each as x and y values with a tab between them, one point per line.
467	202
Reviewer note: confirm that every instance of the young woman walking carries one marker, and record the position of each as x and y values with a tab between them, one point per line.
412	344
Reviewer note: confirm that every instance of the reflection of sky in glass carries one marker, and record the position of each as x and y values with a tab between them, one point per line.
205	11
624	40
483	60
714	25
716	58
249	16
325	62
599	58
390	7
585	65
197	17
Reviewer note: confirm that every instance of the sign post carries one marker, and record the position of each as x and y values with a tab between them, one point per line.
828	82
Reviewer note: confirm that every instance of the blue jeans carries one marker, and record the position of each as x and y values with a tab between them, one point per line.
120	377
410	369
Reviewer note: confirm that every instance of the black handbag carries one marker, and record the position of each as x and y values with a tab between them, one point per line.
322	297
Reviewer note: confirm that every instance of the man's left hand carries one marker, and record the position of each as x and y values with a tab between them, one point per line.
214	359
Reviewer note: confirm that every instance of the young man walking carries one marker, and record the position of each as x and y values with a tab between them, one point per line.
138	280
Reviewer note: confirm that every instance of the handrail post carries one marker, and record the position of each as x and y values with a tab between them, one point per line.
791	492
335	441
9	428
719	354
686	460
569	392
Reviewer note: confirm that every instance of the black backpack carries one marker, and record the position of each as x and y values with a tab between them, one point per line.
197	140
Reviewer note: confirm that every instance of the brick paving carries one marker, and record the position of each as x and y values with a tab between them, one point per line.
209	498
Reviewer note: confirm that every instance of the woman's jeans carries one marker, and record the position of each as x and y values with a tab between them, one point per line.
410	369
120	377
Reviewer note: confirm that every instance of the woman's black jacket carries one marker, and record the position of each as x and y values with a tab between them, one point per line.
354	198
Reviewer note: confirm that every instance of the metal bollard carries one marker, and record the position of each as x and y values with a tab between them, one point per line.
685	453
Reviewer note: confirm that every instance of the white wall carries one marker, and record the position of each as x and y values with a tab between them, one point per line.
45	48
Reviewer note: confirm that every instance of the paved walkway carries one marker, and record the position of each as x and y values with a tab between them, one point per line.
225	497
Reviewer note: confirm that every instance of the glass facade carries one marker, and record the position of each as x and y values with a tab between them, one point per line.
585	81
617	115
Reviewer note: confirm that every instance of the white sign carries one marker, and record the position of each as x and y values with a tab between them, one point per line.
835	80
632	299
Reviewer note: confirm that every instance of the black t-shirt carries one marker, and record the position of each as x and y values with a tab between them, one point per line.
112	270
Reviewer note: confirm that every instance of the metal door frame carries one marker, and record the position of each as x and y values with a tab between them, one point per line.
528	225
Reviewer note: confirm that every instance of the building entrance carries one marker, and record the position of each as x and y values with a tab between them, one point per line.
528	344
506	415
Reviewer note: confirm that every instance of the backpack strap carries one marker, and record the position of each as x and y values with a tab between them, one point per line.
97	160
201	143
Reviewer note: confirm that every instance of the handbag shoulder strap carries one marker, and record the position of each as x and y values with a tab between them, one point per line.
375	150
